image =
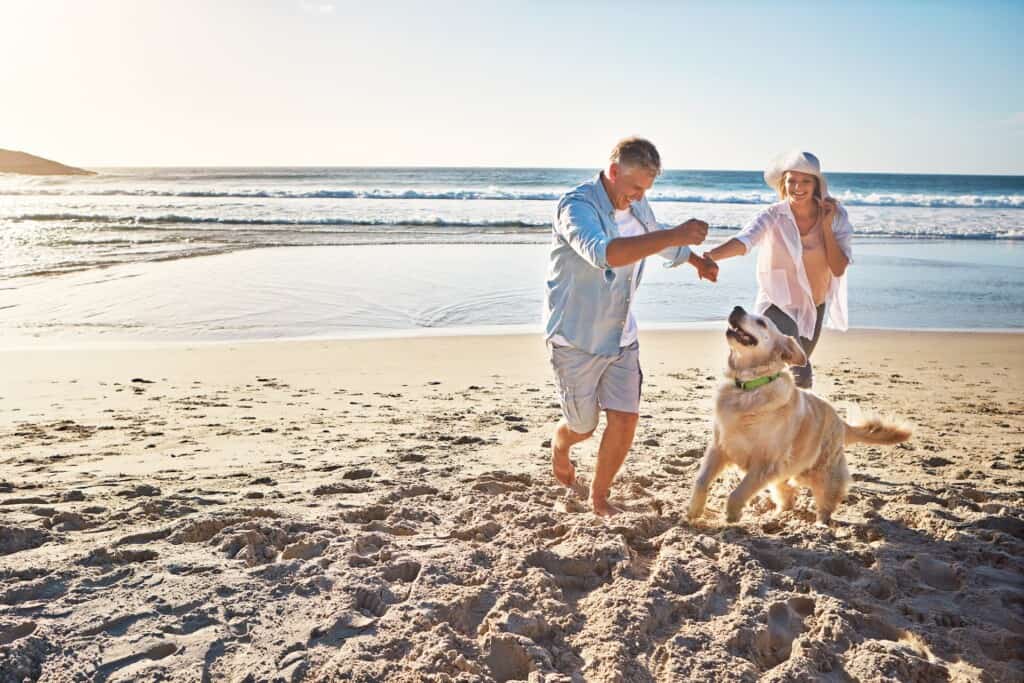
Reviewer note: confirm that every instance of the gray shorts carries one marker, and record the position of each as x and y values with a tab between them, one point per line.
588	384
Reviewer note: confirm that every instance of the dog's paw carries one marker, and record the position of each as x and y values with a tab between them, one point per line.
732	516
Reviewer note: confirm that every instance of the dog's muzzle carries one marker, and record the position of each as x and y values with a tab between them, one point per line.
736	330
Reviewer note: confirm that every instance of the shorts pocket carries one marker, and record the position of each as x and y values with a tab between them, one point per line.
576	377
579	408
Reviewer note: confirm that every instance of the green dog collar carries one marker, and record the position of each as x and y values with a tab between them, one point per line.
758	382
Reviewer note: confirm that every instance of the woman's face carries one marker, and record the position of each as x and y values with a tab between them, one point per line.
800	187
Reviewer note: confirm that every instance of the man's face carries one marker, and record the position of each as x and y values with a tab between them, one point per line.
628	184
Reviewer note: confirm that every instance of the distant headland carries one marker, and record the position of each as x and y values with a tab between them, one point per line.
20	162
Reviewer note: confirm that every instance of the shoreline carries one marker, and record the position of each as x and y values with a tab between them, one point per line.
483	332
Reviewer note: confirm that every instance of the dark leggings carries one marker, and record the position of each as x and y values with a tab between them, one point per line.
803	374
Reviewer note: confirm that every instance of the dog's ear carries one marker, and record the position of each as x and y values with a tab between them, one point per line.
791	351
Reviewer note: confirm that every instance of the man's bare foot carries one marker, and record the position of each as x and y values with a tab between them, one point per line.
562	467
602	507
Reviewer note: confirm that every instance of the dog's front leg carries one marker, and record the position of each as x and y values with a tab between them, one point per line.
783	495
754	480
710	468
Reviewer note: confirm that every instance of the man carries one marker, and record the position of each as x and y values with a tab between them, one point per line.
603	231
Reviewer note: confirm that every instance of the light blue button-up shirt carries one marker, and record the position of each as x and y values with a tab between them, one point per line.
587	300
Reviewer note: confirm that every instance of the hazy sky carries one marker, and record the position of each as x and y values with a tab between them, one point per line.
891	86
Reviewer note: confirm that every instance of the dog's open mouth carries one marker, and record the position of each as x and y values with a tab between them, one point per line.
736	332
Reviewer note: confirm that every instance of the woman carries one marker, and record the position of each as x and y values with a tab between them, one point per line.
805	249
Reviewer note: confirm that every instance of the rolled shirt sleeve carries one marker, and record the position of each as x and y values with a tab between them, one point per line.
580	226
843	231
674	256
752	233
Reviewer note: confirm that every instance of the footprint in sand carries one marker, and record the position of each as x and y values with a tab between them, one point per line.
15	539
337	488
372	602
841	567
1006	525
338	629
553	531
405	571
254	543
406	492
120	659
139	490
304	549
785	623
369	544
391	529
42	589
365	515
507	658
937	574
116	625
101	557
16	632
483	532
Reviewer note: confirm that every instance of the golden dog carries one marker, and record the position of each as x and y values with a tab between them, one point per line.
775	432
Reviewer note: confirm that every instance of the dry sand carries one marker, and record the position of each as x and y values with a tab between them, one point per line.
383	510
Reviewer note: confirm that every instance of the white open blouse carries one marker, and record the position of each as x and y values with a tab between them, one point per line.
781	275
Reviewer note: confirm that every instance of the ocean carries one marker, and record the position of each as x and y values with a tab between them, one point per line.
931	251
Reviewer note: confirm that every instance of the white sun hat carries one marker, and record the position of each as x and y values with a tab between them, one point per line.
795	160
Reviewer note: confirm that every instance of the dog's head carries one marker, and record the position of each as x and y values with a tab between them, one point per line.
756	342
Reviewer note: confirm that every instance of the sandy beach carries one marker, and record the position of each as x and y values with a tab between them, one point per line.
383	510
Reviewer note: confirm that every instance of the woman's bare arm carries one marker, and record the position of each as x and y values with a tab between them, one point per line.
733	247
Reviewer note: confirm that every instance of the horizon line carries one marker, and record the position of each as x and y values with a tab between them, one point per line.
518	167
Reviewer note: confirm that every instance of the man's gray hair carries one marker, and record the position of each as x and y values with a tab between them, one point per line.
637	152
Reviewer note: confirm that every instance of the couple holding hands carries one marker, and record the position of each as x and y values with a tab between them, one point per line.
605	228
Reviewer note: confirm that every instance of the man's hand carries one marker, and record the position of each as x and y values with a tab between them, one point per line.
622	251
691	232
707	269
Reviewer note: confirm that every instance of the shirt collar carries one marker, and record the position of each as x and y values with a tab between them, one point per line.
786	209
603	201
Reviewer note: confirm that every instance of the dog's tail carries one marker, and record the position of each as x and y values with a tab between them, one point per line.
874	429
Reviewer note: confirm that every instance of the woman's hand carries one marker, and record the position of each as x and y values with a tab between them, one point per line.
827	210
837	260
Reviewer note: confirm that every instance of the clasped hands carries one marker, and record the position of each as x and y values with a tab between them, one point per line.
692	233
706	267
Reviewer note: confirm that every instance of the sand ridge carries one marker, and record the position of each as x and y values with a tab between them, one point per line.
268	522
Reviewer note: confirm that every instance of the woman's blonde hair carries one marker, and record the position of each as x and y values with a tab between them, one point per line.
781	187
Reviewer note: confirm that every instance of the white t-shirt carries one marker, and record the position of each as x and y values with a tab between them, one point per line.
629	226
